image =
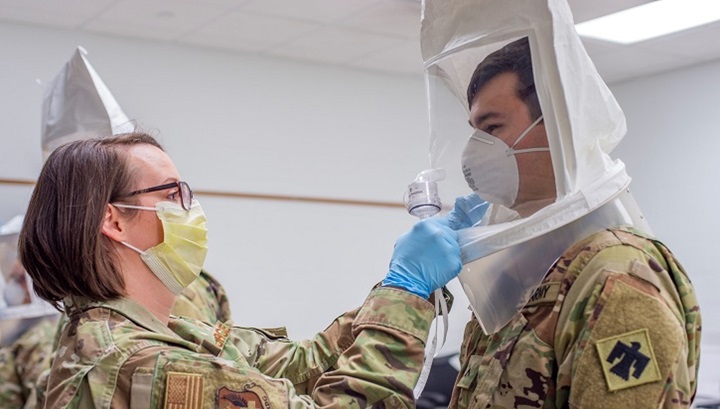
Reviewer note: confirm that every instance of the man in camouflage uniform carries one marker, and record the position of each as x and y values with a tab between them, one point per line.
27	325
614	321
615	324
25	364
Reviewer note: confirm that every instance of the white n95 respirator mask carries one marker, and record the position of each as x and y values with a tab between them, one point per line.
178	259
490	167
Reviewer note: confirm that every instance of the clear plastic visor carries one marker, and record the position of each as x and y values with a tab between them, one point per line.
487	128
488	134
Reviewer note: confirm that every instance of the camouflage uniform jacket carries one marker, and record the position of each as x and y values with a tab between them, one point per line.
22	362
116	354
615	324
204	300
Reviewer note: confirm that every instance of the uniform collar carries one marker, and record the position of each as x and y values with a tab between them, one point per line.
125	307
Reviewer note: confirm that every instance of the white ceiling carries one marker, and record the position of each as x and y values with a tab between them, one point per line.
368	34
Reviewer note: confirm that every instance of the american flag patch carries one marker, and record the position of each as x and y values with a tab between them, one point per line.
183	391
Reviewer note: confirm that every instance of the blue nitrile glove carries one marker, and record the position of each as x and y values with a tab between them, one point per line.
425	258
467	212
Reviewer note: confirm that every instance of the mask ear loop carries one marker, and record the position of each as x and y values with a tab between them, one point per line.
127	206
131	247
512	149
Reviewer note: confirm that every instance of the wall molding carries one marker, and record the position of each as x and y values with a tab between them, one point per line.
257	196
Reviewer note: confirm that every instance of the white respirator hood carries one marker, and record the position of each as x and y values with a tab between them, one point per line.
581	118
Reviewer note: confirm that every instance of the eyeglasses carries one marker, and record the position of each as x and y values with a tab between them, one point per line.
186	194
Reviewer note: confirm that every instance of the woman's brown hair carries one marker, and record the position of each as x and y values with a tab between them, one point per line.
61	245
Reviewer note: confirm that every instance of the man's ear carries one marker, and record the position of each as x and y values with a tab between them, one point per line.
113	224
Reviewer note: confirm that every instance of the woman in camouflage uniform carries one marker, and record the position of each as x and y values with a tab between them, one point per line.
81	244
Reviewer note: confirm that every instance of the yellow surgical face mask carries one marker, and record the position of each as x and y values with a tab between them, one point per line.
178	259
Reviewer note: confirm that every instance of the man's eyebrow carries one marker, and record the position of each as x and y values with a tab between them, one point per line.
477	121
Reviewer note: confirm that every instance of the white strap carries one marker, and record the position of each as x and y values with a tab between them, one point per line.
127	206
526	131
130	246
440	306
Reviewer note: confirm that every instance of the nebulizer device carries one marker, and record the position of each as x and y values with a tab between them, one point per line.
422	201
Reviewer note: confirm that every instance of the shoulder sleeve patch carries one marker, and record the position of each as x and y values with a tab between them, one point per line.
629	349
183	391
628	360
251	396
197	381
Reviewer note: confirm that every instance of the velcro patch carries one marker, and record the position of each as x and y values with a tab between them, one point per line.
183	391
628	360
251	396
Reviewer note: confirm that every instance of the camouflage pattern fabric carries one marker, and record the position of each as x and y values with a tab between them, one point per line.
615	324
22	362
116	354
204	300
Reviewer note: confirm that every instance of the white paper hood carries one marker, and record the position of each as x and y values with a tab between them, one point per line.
582	117
77	104
582	120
